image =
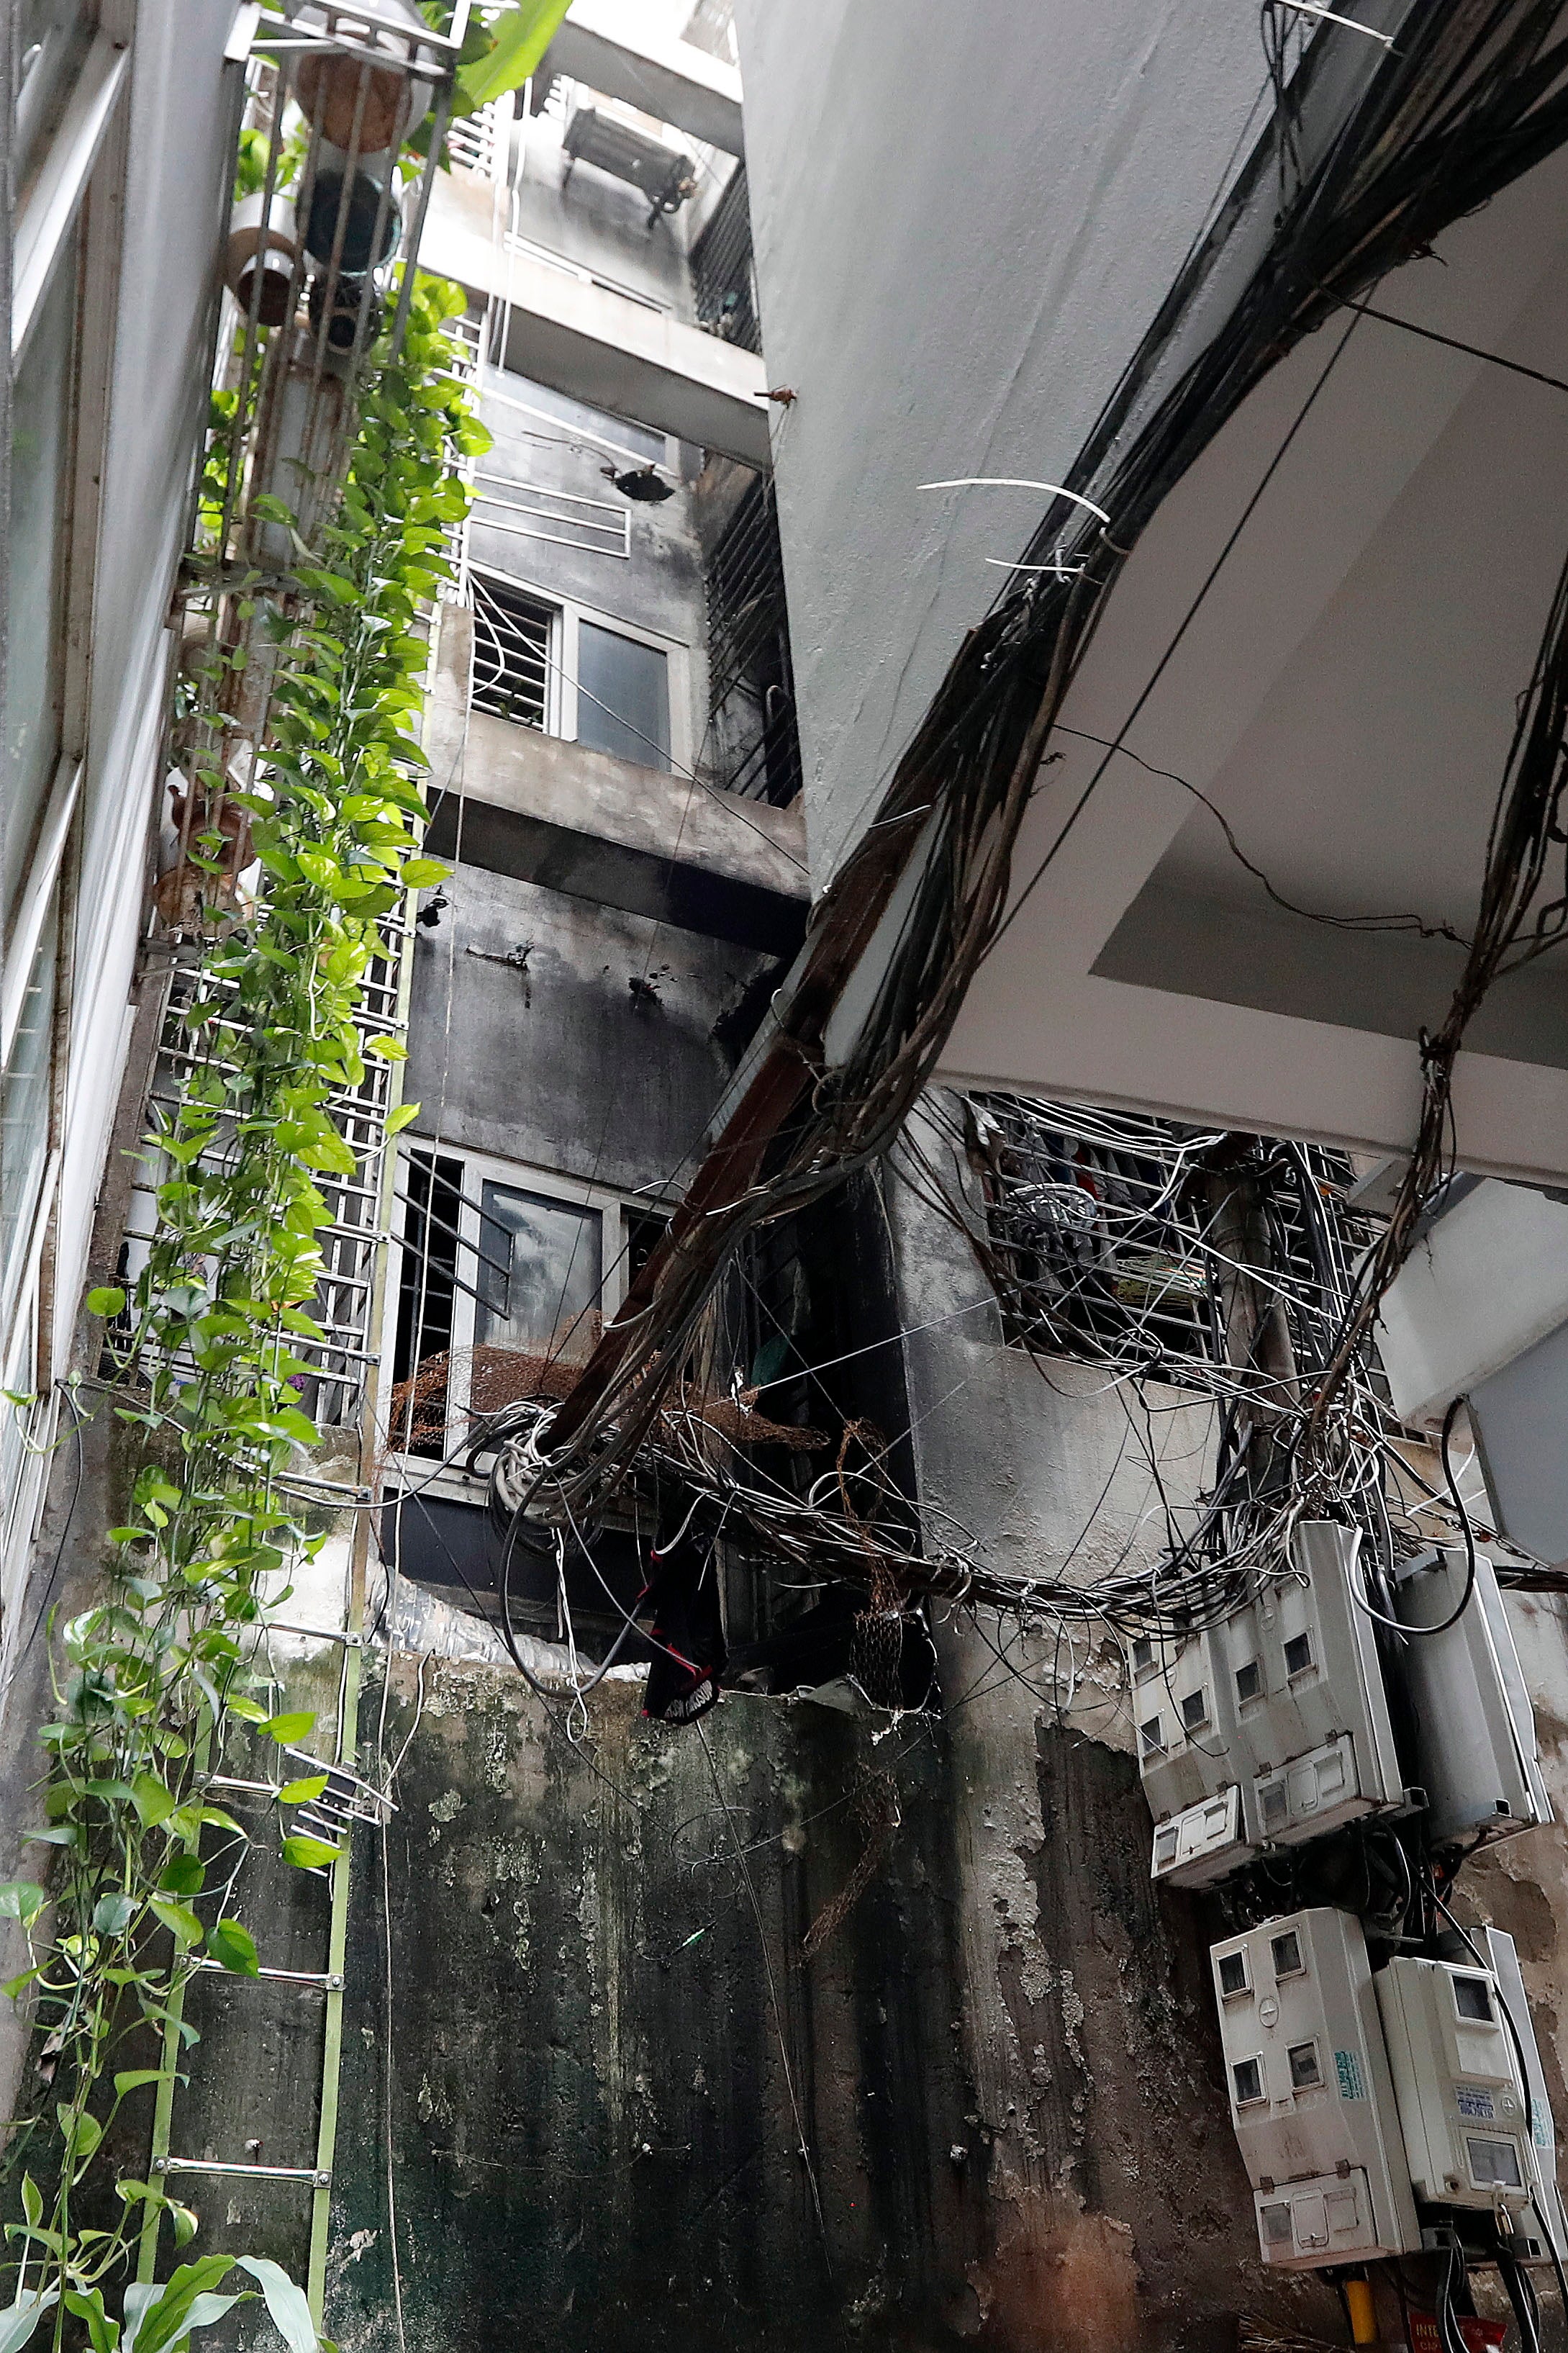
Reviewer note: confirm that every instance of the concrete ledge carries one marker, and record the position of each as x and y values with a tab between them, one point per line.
606	44
596	345
600	828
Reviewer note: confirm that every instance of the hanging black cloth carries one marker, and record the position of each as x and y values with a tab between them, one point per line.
688	1628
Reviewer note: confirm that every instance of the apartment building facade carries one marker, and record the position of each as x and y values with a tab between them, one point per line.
856	2004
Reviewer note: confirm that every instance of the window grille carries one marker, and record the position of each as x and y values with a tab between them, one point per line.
332	1393
712	28
723	282
750	681
475	141
512	653
527	510
1102	1239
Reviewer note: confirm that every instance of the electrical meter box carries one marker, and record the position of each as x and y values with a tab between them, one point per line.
1476	1753
1311	2094
1496	1949
1281	1710
1463	2104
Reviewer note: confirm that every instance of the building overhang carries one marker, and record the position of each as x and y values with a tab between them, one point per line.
585	340
609	45
1343	701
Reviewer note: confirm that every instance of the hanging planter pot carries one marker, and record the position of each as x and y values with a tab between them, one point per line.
329	88
270	248
354	300
363	204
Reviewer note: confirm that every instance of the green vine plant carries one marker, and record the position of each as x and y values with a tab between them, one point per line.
157	1673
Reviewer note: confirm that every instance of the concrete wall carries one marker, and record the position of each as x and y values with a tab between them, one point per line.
565	1066
940	310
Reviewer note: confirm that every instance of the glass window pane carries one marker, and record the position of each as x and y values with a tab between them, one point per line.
40	493
623	697
546	1300
25	1114
51	39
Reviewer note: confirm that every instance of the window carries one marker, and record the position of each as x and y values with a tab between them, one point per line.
1298	1654
1275	2226
1305	2072
1494	2164
544	662
541	1274
751	734
1195	1711
1473	1999
1286	1953
641	1232
513	651
623	696
1247	2077
1151	1739
1142	1654
25	1114
723	283
1101	1237
1167	1842
1233	1972
1249	1681
504	1275
51	39
40	504
1275	1802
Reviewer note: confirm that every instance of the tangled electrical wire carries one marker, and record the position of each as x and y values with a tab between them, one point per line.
1226	1267
1361	169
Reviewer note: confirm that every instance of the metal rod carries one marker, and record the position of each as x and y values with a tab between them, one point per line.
313	2174
280	1976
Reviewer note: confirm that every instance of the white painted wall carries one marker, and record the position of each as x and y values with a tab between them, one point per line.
964	220
1489	1280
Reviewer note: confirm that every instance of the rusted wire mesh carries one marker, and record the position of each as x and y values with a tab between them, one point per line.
877	1809
421	1415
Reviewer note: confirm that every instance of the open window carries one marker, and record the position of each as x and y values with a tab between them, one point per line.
504	1276
591	678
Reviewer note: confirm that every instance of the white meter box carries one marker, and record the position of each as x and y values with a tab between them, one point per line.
1311	2094
1496	1949
1476	1753
1280	1708
1463	2105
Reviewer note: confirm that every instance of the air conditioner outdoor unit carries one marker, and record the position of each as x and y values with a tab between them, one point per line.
665	177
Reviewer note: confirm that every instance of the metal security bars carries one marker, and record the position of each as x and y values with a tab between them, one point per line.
352	1234
722	280
528	511
754	742
478	142
1138	1243
513	653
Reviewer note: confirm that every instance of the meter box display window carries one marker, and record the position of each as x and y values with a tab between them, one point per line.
1311	2094
1476	1753
1281	1710
1463	2104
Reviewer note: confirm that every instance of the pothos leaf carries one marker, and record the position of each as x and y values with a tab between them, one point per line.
235	1946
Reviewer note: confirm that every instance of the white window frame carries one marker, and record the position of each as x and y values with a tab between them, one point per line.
479	1168
80	178
567	616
